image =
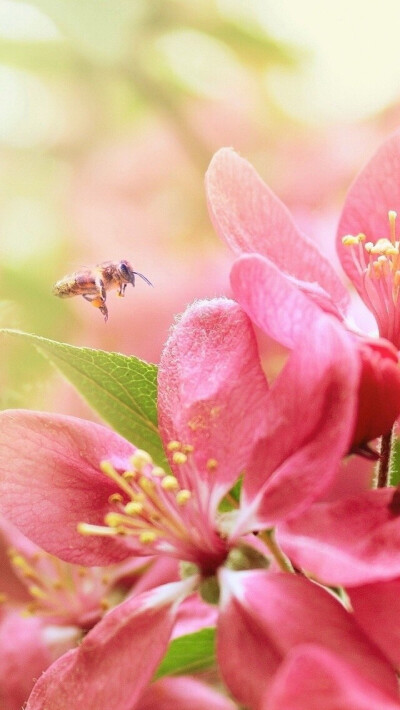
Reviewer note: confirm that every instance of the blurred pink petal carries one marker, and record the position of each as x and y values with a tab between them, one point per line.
24	655
116	660
183	693
263	616
250	218
376	608
312	678
349	542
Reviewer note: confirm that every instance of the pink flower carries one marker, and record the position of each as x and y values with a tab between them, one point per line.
251	219
218	418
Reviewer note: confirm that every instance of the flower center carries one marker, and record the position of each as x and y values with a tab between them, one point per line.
155	513
378	265
64	592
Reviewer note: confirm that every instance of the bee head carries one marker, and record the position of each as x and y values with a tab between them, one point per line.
127	274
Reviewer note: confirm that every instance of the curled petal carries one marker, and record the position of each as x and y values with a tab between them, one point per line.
50	481
212	392
264	615
312	405
312	678
250	218
349	542
116	660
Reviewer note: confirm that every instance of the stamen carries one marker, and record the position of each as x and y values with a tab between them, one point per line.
211	465
179	457
377	264
169	483
183	496
174	445
140	459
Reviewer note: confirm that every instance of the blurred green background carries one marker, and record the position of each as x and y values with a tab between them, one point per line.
110	111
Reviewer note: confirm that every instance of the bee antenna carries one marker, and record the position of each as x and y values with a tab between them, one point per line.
142	277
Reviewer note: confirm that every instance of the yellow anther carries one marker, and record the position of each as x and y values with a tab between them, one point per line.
349	240
115	498
187	448
183	496
133	508
88	529
147	537
211	464
169	483
37	592
382	259
129	475
146	484
158	471
179	457
112	519
139	497
104	604
368	247
140	459
174	445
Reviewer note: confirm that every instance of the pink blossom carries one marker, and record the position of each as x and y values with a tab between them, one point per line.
251	219
210	383
217	418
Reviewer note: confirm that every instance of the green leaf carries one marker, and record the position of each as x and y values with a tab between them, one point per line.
189	654
121	388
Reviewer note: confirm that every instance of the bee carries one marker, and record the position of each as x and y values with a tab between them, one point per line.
92	283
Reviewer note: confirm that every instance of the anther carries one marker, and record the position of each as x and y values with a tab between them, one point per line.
183	496
211	464
174	445
169	483
133	508
129	475
158	471
140	459
147	537
179	457
187	448
115	498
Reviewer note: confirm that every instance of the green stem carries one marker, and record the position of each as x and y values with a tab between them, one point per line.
267	536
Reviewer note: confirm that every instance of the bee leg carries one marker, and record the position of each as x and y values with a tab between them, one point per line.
121	290
98	302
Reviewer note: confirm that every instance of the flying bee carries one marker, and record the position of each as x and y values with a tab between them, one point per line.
93	283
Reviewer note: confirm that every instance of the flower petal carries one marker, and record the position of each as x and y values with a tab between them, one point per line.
116	660
312	678
350	542
50	481
376	608
264	615
183	693
374	192
212	392
23	657
312	405
250	218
